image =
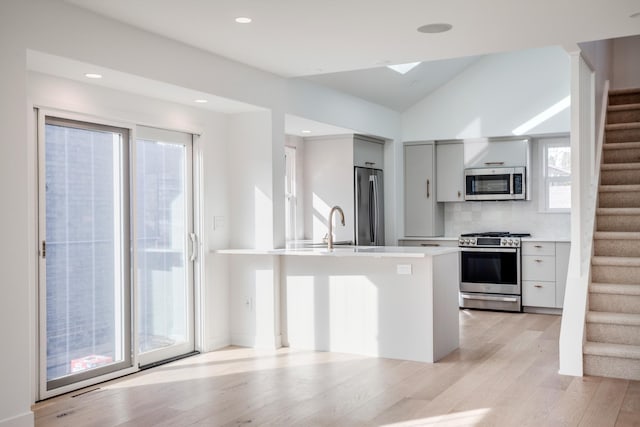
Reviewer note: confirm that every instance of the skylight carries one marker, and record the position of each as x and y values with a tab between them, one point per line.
404	68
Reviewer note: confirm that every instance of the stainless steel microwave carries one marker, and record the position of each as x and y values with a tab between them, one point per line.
495	184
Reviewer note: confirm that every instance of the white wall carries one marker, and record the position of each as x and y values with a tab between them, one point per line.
328	181
17	230
494	96
599	56
250	177
626	56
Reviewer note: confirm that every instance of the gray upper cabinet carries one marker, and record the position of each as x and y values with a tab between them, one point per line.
423	216
368	153
450	172
490	153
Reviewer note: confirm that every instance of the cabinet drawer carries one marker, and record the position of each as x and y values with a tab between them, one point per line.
542	268
539	294
538	248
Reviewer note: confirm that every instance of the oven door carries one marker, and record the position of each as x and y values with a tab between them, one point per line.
490	270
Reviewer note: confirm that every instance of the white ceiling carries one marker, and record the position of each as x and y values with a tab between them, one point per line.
308	37
394	90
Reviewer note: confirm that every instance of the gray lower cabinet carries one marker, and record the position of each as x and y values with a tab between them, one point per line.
544	273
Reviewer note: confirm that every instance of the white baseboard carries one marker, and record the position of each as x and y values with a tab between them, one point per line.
216	344
267	342
22	420
542	310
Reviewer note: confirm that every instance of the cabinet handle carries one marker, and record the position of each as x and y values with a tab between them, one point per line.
428	192
459	194
537	246
537	286
429	244
538	260
494	163
369	163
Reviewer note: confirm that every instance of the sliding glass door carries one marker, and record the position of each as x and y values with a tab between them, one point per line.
165	244
117	249
84	252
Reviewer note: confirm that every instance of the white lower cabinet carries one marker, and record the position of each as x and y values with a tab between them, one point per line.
544	273
536	293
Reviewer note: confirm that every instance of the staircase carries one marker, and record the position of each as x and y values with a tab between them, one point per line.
613	318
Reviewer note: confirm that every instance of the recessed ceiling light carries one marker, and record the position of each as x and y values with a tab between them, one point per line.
440	27
243	20
403	68
305	131
634	15
93	76
200	101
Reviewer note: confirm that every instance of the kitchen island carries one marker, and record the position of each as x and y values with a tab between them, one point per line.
393	302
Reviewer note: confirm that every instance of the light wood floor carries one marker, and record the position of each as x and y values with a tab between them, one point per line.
504	374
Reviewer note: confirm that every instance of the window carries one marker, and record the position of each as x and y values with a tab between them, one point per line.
290	192
556	175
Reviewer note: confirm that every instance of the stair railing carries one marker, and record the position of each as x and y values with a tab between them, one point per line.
588	159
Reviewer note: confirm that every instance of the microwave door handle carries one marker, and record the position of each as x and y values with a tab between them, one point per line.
512	185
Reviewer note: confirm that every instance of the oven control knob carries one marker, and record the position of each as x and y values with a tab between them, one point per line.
473	241
510	241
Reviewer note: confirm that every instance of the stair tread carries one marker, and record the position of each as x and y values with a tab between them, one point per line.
614	188
618	261
622	126
626	91
618	211
623	107
617	235
620	166
615	288
620	145
626	351
612	318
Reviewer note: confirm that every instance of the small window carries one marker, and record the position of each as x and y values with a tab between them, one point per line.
291	199
556	175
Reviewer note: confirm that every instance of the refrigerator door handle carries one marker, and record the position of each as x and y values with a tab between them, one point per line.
376	209
372	207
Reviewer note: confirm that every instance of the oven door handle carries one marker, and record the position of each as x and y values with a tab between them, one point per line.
494	250
489	298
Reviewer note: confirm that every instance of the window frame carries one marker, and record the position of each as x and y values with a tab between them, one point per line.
545	180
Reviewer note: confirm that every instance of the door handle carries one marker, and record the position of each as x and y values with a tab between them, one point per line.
194	247
489	298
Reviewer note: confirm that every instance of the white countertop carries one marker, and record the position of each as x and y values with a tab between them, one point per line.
430	238
524	239
346	251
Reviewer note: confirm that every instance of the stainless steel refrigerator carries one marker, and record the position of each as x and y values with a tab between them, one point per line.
369	207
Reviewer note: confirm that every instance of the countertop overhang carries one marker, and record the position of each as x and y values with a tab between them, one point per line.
349	251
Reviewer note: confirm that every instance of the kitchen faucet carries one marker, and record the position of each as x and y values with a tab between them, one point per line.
333	209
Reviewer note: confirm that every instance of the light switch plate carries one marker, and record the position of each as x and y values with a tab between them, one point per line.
403	268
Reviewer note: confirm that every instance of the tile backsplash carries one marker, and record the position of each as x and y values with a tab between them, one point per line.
513	216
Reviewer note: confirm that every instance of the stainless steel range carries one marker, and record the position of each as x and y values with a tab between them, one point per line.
490	271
